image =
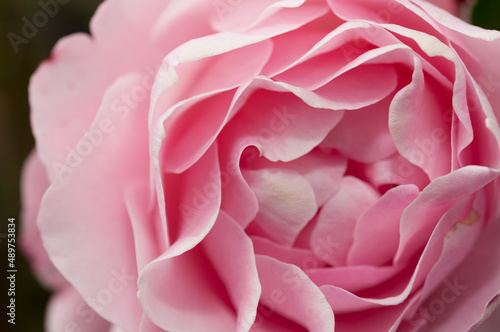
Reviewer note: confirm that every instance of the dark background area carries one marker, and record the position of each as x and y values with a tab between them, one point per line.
16	140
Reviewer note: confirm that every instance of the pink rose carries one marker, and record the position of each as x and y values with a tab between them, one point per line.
236	165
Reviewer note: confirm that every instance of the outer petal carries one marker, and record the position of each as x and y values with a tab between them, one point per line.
451	6
84	208
67	311
34	183
60	111
475	47
144	218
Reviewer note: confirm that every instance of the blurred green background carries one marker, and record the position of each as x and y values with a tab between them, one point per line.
16	140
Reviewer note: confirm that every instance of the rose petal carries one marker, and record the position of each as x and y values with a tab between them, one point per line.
286	53
396	170
148	326
61	113
34	183
473	286
203	48
438	286
324	172
303	258
175	13
193	201
67	311
238	200
376	236
474	46
96	179
293	295
145	222
338	52
231	253
400	13
451	6
242	16
482	147
279	124
286	202
337	220
353	278
374	320
492	321
410	279
376	141
421	216
184	293
424	140
466	100
204	116
165	124
116	328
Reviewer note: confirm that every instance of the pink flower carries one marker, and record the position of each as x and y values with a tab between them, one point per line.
271	165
